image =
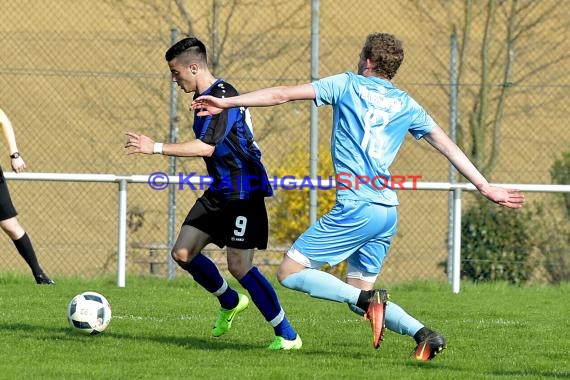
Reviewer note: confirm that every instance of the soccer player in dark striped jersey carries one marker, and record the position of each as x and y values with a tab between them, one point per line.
232	211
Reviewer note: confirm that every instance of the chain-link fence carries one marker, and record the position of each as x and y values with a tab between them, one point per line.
75	75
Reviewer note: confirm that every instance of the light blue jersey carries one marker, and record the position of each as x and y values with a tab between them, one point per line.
371	119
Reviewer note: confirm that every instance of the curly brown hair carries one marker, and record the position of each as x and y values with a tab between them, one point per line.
385	52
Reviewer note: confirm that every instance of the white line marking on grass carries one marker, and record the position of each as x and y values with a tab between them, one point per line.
158	319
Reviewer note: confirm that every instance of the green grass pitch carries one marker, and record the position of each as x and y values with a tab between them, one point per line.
161	330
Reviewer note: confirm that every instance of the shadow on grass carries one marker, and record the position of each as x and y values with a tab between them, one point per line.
517	374
62	333
532	373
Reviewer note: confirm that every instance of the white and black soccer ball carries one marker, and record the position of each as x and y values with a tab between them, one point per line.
89	313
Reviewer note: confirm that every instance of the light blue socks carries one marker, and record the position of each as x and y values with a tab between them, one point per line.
397	319
319	284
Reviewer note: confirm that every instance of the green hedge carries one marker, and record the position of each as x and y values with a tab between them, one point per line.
496	244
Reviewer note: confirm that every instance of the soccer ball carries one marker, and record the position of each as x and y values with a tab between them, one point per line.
89	313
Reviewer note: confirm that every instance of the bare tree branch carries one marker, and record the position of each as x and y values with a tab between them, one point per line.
521	40
186	16
507	78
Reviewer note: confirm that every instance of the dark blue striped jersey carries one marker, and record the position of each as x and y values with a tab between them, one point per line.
235	165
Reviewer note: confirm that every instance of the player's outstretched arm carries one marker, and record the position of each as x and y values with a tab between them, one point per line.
511	198
139	143
209	105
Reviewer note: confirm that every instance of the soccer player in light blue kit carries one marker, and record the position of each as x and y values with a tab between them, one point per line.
371	120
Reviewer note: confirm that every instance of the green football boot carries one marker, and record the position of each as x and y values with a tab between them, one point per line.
281	343
226	317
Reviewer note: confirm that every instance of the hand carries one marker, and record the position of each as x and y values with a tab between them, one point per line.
137	143
511	198
18	164
208	105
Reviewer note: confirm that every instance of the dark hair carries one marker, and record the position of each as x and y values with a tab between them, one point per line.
190	46
385	52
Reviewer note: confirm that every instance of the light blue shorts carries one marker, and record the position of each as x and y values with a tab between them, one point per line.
357	231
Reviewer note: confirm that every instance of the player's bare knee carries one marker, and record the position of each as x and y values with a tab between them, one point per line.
180	255
240	261
12	228
288	267
282	274
13	234
237	270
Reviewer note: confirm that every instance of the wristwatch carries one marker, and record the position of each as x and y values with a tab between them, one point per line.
15	155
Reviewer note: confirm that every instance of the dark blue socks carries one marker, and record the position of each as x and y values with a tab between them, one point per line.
205	273
264	297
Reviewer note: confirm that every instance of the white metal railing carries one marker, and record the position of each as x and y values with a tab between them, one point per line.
123	180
